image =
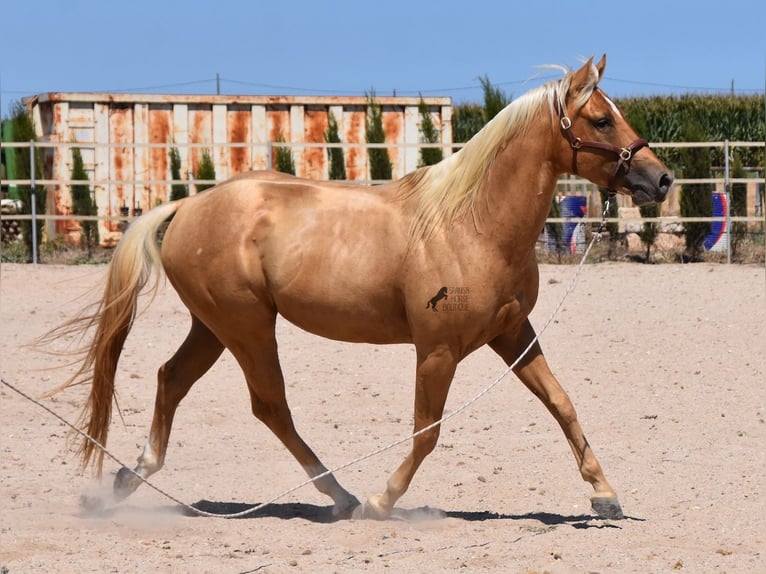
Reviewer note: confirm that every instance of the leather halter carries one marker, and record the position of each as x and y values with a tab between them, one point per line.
624	154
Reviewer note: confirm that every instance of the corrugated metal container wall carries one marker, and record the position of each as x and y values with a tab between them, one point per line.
125	140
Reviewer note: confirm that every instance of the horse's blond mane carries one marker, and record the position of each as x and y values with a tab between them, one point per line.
451	188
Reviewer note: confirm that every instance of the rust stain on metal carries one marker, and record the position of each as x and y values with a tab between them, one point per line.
355	134
121	131
278	122
160	120
393	121
278	118
314	158
392	124
62	201
200	131
238	128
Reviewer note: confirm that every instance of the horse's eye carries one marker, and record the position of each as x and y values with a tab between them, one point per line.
603	123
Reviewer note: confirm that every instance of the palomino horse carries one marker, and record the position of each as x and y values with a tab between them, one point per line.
371	264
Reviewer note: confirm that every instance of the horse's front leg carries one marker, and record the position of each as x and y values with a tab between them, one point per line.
534	372
435	370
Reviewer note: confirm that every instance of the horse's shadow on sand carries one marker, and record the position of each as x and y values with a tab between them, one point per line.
323	514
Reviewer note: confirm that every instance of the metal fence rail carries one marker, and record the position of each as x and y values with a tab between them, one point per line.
128	190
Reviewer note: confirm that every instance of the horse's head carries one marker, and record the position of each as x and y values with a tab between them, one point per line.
599	144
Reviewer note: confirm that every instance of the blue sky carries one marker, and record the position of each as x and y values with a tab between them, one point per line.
349	47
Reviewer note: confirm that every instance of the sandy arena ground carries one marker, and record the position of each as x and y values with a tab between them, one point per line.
666	365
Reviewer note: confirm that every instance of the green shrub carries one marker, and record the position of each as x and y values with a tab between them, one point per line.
83	203
429	135
205	171
467	120
649	229
335	155
177	190
696	199
380	163
494	98
23	130
284	156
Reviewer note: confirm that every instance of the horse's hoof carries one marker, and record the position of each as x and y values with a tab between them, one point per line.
346	510
125	483
607	507
369	511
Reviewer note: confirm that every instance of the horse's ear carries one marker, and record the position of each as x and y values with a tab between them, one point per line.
601	66
584	79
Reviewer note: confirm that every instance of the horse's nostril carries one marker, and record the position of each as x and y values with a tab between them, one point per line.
666	181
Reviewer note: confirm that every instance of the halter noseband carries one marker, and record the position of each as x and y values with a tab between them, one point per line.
624	154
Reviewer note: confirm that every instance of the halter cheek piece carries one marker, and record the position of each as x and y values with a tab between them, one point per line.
624	154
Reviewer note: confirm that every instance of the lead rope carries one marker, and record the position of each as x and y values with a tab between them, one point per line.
255	508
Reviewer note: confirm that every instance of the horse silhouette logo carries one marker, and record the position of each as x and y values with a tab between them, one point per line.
442	294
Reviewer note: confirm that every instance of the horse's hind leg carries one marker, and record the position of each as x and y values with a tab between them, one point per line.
260	363
534	372
194	357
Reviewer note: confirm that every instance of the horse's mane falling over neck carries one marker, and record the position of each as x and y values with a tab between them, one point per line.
451	188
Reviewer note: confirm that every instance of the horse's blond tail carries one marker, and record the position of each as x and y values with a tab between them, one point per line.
135	259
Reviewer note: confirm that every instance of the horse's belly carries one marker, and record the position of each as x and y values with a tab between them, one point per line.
338	284
352	322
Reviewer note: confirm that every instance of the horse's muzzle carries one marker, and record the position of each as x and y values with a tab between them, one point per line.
646	189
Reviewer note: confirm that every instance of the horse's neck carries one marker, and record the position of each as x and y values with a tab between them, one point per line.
518	192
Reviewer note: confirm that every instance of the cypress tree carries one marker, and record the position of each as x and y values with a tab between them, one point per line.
177	190
23	130
205	171
83	203
467	120
335	155
430	135
649	229
284	154
696	200
380	163
645	123
494	99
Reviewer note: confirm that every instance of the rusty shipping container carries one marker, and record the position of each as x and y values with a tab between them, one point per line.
125	140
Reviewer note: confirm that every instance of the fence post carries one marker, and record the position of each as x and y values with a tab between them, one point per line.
33	199
727	197
269	153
